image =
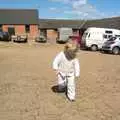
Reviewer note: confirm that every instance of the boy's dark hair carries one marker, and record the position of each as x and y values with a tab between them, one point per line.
70	51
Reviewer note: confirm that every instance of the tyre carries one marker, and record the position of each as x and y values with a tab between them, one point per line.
94	47
25	41
116	50
102	51
14	41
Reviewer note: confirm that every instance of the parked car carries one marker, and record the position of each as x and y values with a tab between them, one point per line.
5	36
41	39
19	38
94	38
14	38
112	45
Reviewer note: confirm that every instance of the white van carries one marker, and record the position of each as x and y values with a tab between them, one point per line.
95	37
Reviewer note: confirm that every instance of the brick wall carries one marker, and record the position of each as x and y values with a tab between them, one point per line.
5	28
20	29
52	35
33	31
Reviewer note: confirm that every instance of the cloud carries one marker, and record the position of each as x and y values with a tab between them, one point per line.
81	9
79	2
55	10
63	1
66	18
85	10
70	1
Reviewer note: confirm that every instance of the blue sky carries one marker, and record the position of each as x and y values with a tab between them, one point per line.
68	9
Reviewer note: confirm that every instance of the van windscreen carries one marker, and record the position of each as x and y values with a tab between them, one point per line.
85	34
109	32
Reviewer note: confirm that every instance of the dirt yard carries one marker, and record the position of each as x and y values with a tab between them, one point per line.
26	81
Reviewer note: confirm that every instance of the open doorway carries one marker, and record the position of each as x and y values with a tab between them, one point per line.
11	30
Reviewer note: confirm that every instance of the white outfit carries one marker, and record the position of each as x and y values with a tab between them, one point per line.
67	71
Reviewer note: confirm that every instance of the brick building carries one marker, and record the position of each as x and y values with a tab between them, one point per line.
19	21
49	27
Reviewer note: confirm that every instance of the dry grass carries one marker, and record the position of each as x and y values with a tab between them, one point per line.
26	79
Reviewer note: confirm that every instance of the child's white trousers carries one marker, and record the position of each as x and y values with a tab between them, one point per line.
69	82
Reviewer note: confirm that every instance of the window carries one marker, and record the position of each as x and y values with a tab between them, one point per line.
112	39
117	35
0	28
104	36
89	35
109	36
85	34
109	32
75	30
27	28
43	32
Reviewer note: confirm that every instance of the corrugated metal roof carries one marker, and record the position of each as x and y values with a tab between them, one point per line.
55	23
104	23
77	24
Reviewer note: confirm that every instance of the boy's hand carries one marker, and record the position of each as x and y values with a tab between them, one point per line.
56	71
77	78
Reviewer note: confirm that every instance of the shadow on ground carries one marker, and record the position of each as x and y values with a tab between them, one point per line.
56	90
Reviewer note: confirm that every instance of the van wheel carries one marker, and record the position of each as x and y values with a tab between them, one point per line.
94	47
116	50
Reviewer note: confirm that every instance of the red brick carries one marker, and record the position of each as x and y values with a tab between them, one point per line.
52	35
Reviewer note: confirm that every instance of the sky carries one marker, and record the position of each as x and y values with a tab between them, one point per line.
68	9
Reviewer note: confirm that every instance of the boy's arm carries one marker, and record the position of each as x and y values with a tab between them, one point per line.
77	68
56	61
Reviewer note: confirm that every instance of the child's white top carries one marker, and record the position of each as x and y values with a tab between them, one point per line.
62	64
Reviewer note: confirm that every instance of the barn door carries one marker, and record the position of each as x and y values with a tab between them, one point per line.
11	30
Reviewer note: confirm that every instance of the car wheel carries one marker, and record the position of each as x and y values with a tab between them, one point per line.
116	50
102	51
94	47
25	41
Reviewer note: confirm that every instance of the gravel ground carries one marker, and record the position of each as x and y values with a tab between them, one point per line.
26	81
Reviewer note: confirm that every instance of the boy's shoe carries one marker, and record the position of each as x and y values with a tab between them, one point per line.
72	100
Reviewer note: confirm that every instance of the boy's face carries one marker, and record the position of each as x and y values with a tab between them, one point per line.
70	54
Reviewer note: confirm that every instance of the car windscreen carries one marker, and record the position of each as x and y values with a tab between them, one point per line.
112	39
5	33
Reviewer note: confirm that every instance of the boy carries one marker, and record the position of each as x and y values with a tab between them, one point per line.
67	68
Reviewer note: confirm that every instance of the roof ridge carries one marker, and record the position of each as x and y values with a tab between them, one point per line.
18	9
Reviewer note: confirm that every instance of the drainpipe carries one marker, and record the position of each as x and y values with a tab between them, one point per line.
80	34
84	21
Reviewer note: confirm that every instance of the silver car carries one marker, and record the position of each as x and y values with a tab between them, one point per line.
112	45
19	38
41	39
